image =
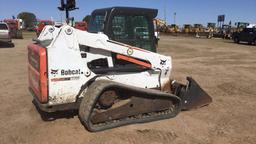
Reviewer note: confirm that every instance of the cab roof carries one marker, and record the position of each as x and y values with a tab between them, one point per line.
128	10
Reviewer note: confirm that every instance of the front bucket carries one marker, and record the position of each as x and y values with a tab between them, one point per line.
192	95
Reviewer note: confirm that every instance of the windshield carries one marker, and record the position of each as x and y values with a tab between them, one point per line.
130	27
96	24
3	27
133	30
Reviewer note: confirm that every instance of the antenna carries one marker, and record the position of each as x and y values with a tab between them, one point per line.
70	5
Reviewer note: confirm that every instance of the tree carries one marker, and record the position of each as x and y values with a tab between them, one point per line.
28	18
87	19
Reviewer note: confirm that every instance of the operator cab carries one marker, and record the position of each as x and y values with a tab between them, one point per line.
132	26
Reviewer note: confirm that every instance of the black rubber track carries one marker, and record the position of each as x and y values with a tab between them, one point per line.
95	90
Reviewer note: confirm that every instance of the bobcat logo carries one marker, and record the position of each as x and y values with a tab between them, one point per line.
163	62
54	72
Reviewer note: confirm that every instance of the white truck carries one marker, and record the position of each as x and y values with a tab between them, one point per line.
5	33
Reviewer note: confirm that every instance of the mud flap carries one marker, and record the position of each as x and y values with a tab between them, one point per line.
192	95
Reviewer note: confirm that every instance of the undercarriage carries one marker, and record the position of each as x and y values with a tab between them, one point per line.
108	104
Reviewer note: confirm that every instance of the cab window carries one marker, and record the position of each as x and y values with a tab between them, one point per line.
96	24
131	27
132	30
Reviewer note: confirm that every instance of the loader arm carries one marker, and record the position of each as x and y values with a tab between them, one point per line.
75	38
101	41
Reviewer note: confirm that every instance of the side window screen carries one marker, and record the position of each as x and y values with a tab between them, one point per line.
141	29
130	27
96	23
120	31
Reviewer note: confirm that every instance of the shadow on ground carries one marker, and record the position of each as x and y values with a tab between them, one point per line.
6	45
56	115
241	43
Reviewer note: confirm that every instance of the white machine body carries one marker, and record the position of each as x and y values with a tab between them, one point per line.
68	72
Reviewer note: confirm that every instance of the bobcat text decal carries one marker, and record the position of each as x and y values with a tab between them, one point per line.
71	72
68	75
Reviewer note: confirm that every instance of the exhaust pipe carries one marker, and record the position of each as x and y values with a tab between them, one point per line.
192	95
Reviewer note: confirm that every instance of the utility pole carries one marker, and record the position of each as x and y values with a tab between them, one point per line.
165	11
175	17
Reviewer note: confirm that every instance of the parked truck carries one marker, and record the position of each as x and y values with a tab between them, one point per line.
246	35
15	26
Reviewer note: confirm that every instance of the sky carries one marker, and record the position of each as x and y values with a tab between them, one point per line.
187	11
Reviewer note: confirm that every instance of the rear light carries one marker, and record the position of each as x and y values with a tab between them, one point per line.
43	75
38	82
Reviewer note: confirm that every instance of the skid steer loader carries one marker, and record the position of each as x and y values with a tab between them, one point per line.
111	74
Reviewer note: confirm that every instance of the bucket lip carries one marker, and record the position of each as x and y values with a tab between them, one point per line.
192	95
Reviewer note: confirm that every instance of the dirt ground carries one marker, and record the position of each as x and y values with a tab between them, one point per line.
227	71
